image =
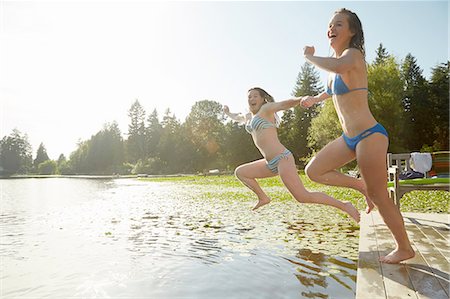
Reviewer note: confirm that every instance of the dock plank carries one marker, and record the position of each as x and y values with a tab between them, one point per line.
396	277
434	259
369	278
426	276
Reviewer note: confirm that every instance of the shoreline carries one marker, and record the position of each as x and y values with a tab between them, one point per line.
87	176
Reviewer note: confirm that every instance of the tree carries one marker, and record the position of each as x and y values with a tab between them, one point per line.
47	167
41	156
103	153
439	99
239	147
153	134
169	146
416	104
136	145
62	165
382	55
295	125
15	153
205	128
385	100
325	127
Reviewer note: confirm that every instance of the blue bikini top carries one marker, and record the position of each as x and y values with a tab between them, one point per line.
258	123
338	86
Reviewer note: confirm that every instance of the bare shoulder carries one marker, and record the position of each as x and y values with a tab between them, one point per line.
268	109
355	58
353	52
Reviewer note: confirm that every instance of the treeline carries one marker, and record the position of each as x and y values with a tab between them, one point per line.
414	110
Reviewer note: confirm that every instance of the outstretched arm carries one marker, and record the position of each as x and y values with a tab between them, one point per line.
338	65
308	101
282	105
234	116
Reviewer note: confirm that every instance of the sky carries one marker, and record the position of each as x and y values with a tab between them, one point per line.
69	67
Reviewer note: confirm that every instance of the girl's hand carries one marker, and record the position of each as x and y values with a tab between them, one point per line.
307	50
307	101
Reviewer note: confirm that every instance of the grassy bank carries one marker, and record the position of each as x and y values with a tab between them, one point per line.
415	201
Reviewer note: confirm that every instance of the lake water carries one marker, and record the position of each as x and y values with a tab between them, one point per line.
125	238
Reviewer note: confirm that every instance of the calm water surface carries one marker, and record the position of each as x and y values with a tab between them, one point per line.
125	238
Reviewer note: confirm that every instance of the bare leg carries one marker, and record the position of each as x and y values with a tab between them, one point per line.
292	181
248	173
371	155
322	168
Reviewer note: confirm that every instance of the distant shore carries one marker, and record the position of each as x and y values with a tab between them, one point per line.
82	176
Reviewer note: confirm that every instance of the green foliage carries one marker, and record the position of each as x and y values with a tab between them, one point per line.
382	55
102	154
41	156
416	105
47	167
324	128
15	153
232	189
150	166
239	147
439	102
153	133
295	124
413	110
385	100
136	145
426	202
204	127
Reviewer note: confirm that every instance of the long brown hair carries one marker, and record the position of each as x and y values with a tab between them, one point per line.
268	98
264	94
355	25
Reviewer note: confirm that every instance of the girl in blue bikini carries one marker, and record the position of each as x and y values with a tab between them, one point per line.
262	124
363	138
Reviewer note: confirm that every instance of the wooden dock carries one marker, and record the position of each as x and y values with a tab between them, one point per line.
427	275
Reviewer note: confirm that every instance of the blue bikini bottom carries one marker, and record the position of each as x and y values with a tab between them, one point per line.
353	142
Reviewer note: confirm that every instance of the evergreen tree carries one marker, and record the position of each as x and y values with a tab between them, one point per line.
295	125
416	104
439	98
153	134
41	156
169	142
136	143
382	55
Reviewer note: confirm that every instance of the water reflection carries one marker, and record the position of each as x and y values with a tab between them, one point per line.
112	238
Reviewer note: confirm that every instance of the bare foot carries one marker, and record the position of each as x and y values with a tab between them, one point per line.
370	205
352	211
262	202
397	256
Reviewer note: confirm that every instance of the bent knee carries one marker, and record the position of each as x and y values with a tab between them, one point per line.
311	172
238	172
